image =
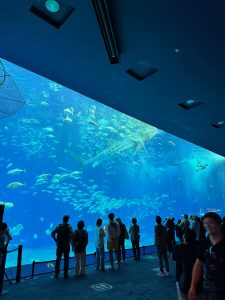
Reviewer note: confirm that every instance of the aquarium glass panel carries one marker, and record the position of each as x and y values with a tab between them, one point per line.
64	153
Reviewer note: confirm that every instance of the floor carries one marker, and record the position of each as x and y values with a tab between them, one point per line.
135	280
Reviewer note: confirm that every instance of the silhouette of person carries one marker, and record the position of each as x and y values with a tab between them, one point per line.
64	234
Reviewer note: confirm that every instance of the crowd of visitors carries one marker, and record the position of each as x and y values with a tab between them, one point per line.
196	244
199	255
116	233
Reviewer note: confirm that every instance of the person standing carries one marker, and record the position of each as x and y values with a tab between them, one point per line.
185	223
161	246
62	235
210	263
99	244
79	244
121	241
113	231
179	232
185	255
5	238
195	226
135	238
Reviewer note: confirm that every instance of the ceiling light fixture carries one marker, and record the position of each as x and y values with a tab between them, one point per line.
52	5
191	103
219	124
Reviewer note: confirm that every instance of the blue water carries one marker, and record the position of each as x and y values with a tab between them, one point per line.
63	153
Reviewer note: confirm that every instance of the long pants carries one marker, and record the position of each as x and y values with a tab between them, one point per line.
121	245
100	259
80	257
162	255
135	246
62	250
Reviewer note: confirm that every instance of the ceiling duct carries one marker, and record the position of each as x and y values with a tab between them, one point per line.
103	17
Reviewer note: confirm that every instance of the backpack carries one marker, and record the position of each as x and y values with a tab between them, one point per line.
63	234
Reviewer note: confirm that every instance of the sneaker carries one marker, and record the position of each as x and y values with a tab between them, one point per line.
166	273
161	273
56	276
66	276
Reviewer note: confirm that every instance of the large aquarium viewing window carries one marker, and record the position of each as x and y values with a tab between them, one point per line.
64	153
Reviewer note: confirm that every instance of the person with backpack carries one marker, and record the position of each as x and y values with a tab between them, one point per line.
121	241
113	232
64	234
135	238
79	244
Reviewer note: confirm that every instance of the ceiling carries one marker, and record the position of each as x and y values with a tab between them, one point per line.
184	40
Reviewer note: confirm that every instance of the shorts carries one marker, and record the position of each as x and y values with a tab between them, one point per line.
112	245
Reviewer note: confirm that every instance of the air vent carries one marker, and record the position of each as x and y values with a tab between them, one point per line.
54	12
219	124
142	70
190	104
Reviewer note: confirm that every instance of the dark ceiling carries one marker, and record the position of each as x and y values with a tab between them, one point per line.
184	40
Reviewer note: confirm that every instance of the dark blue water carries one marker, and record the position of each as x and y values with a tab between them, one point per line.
64	153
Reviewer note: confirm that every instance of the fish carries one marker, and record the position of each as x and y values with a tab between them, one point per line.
15	185
9	165
48	231
44	103
48	129
15	230
68	111
67	120
16	171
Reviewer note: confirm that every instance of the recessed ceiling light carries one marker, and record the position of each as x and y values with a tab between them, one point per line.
52	5
55	12
191	103
219	124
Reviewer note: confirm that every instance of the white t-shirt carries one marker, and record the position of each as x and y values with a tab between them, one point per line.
99	237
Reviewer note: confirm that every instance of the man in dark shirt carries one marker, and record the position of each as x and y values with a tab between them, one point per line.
64	234
210	263
161	245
